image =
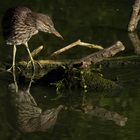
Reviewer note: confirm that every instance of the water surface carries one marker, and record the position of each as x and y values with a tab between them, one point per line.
100	22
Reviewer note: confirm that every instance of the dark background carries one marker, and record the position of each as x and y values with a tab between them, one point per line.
101	22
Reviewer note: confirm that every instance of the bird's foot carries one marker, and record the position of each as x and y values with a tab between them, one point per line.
10	69
28	64
31	65
13	69
39	64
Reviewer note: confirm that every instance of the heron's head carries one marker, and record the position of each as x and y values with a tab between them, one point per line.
45	24
48	118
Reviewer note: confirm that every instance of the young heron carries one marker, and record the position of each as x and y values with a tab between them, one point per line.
19	24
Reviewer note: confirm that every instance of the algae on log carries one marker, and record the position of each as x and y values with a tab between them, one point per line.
88	79
94	80
71	78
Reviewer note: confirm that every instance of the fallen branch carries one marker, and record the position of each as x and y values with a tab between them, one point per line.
75	44
64	72
135	17
86	61
100	55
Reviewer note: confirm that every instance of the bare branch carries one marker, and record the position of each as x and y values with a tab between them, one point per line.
101	55
78	42
135	16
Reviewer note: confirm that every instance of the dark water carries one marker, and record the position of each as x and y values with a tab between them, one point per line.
101	22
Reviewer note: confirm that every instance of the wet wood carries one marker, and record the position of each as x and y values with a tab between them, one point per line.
101	55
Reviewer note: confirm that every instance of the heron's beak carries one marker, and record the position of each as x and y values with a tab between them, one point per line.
56	33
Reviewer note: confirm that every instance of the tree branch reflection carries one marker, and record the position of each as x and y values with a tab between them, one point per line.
135	41
105	114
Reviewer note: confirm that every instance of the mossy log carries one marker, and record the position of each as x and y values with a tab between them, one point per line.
74	73
93	80
72	78
89	79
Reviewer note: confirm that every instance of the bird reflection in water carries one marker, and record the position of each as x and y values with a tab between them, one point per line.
29	116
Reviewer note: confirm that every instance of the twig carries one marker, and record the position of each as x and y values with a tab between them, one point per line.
90	45
52	62
78	42
36	51
44	63
65	48
135	16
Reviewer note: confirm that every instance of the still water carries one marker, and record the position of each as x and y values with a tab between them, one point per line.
92	115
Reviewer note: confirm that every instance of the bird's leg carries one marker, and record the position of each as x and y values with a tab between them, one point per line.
13	68
14	55
15	82
30	55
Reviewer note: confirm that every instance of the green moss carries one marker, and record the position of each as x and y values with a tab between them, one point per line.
94	80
